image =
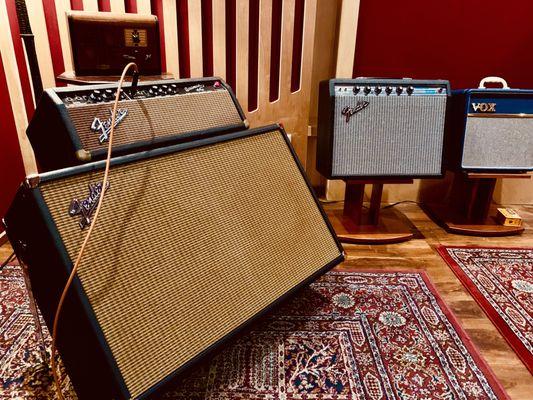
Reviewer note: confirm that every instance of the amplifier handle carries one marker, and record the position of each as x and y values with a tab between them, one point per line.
493	79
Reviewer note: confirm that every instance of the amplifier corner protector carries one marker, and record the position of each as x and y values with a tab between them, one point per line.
83	155
246	124
32	181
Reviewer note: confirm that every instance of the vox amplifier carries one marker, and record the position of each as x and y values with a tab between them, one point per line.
103	43
71	124
381	127
193	242
491	129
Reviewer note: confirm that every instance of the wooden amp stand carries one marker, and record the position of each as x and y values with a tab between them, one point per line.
358	224
469	211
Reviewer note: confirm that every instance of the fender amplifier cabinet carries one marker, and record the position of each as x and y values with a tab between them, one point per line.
193	242
71	124
103	43
381	127
491	129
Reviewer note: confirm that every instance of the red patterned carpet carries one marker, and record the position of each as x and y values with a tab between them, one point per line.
350	335
501	281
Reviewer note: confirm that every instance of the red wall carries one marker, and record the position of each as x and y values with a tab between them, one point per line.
11	168
459	40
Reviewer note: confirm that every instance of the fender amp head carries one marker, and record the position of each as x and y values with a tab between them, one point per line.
491	129
193	242
381	127
71	124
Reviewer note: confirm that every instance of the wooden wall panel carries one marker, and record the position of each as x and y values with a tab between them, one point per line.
42	45
170	25
17	104
241	73
219	38
195	38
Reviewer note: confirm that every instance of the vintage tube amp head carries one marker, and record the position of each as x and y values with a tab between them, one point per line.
71	124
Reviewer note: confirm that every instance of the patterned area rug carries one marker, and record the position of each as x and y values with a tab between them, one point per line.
501	281
350	335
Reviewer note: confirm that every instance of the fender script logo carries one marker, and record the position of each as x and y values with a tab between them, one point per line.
104	127
85	208
349	111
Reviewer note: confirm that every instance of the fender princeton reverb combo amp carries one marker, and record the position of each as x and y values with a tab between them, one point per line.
492	129
237	228
369	127
71	124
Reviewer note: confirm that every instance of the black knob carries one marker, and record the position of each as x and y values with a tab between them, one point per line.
388	90
153	91
399	90
108	94
377	90
410	90
95	96
366	90
356	89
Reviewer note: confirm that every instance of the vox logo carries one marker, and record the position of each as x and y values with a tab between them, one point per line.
484	107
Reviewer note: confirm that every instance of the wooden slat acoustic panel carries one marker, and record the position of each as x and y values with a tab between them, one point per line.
290	108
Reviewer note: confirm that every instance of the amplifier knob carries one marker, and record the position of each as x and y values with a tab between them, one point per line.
366	90
107	95
153	91
377	90
410	90
399	90
95	96
388	90
356	89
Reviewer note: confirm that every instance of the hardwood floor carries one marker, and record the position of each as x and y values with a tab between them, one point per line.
420	254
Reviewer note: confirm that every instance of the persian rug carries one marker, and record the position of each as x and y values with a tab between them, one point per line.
501	281
349	335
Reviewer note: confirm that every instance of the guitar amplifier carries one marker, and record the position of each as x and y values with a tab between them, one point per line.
103	43
381	127
491	129
193	242
71	124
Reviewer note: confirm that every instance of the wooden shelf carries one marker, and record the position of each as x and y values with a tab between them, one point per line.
72	78
392	227
455	222
485	175
357	224
470	210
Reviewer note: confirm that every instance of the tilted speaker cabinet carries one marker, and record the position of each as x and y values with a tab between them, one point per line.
192	243
71	124
372	127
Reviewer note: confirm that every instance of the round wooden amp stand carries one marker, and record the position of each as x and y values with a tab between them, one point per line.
372	225
469	211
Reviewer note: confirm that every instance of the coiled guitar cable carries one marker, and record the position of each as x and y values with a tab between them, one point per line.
77	263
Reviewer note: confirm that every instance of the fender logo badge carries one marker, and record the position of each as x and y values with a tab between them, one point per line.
86	207
105	126
349	111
